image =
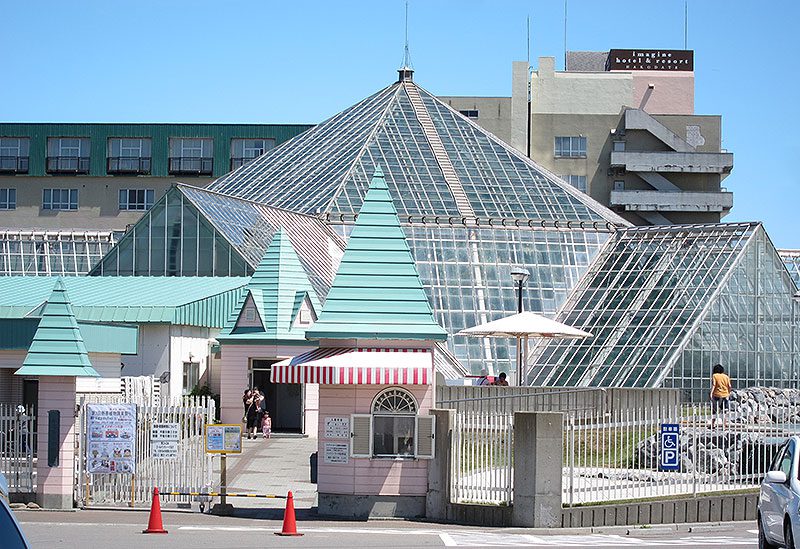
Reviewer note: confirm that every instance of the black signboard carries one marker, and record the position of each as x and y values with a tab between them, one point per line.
650	60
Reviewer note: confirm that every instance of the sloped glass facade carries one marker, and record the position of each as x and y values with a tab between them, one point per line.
665	304
791	259
193	232
47	253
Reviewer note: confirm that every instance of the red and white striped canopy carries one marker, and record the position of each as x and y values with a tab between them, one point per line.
349	366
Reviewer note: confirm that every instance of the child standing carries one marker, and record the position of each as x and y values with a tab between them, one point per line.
266	425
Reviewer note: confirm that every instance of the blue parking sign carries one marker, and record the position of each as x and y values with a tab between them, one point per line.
670	447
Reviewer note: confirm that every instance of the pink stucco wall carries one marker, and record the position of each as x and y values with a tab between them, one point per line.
362	476
56	393
672	92
233	379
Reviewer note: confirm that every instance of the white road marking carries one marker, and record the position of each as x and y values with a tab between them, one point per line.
447	540
588	540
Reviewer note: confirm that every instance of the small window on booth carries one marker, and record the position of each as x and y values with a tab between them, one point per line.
393	429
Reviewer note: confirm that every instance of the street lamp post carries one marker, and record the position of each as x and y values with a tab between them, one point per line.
520	276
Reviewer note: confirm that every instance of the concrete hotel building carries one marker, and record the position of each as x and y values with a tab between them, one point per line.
620	126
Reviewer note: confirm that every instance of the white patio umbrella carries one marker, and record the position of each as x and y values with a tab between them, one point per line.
524	326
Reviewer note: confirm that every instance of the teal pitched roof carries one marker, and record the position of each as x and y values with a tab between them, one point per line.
194	301
57	348
277	288
377	292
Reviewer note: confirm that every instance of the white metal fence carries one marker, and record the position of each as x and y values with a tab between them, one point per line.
190	471
17	447
482	453
617	455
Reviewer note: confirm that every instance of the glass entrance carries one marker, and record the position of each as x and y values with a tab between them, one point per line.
284	400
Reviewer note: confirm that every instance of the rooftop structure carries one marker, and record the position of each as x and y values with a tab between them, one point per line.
57	348
57	252
377	292
791	258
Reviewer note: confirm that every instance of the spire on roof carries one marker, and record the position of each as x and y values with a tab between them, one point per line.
377	292
57	348
278	289
406	72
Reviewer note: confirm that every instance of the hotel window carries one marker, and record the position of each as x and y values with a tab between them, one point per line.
244	151
577	181
129	155
470	113
191	376
393	429
14	154
60	199
8	199
68	154
570	147
191	156
136	199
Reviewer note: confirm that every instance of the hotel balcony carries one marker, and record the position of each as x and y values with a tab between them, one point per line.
675	201
673	161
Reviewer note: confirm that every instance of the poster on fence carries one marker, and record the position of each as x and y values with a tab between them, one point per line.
111	438
164	439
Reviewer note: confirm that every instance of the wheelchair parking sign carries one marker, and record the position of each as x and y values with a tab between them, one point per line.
670	447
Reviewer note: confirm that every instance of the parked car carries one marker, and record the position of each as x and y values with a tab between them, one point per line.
11	536
779	500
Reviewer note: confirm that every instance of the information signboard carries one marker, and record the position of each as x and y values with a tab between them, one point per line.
336	452
111	438
164	439
670	447
337	427
222	438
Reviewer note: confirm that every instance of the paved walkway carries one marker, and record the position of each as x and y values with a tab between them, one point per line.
272	466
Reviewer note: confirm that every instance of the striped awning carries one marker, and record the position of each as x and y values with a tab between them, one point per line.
361	366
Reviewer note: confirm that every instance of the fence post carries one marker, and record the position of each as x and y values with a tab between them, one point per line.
439	468
538	457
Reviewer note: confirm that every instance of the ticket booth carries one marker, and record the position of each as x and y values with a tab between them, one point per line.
375	371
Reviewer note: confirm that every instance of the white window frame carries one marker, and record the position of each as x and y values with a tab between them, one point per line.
362	430
574	146
8	198
575	181
126	204
196	368
49	201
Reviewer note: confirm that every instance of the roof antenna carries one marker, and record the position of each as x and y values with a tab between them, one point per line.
406	73
686	24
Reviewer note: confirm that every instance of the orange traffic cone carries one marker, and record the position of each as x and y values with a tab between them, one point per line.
154	526
289	523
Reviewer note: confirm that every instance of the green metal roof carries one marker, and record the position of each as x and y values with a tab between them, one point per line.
377	292
277	288
196	301
57	348
17	334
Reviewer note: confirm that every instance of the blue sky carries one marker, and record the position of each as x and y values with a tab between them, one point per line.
302	61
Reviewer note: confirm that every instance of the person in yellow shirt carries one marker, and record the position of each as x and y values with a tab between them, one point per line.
720	391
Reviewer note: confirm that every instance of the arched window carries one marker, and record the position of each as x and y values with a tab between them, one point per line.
393	429
393	423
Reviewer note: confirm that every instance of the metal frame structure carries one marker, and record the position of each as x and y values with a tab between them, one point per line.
37	253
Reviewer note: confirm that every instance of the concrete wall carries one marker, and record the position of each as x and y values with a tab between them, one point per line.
671	92
98	200
187	344
578	92
721	508
494	113
108	366
152	358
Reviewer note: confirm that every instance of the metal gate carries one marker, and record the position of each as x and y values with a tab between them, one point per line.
17	447
190	471
483	450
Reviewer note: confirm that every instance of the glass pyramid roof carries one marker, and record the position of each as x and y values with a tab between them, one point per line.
436	162
648	292
791	258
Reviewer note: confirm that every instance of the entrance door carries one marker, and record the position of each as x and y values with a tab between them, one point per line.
284	400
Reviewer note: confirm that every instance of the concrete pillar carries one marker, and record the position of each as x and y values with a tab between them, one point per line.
55	484
538	456
439	470
519	106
